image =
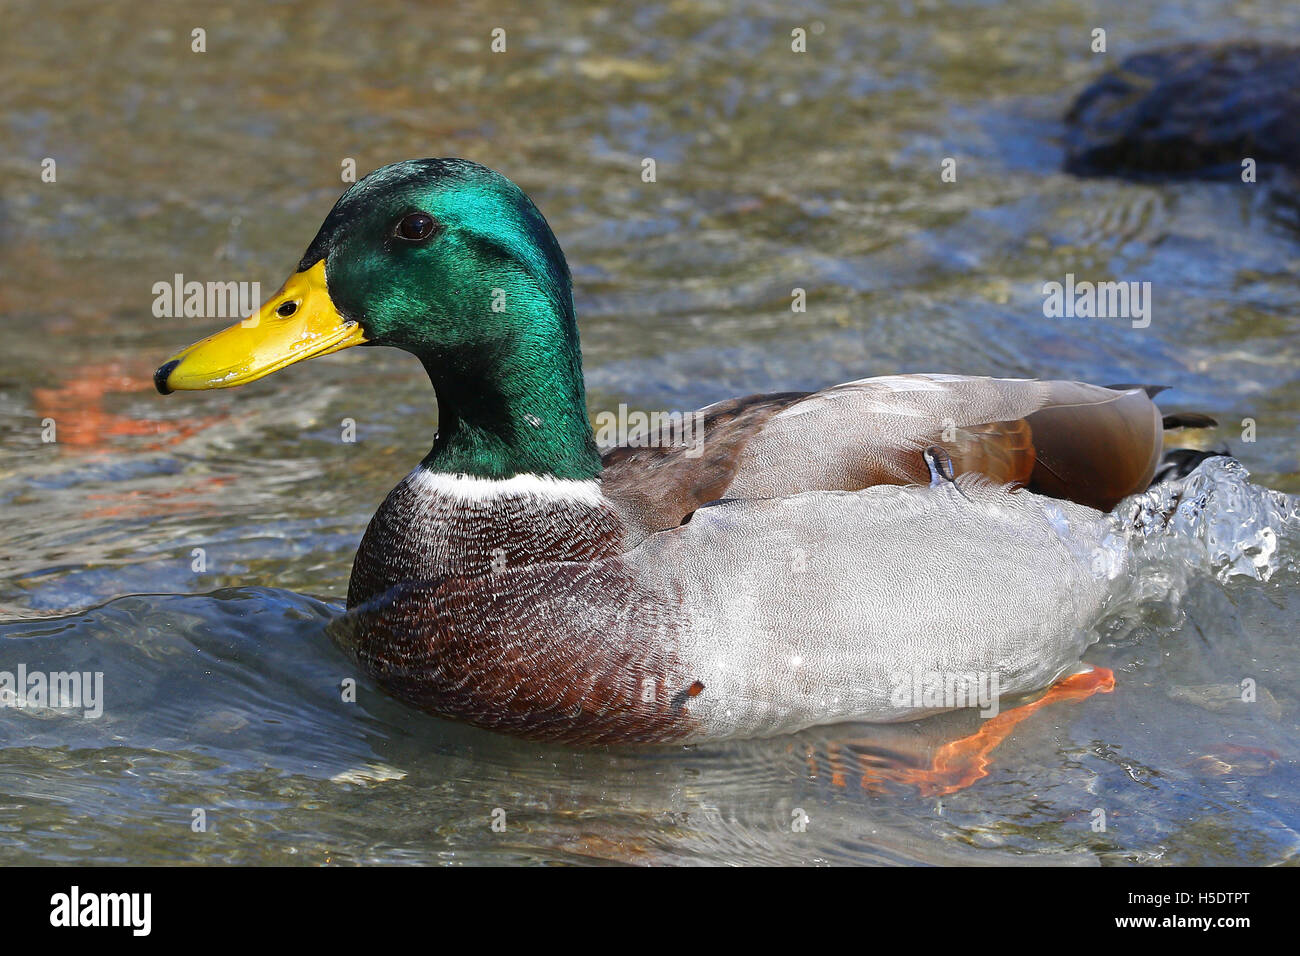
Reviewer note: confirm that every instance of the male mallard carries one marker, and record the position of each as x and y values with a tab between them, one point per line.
818	551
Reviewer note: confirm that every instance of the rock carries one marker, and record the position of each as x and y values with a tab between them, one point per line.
1195	110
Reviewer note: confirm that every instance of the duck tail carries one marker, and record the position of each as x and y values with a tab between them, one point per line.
1178	462
1176	420
1189	420
1151	390
1181	462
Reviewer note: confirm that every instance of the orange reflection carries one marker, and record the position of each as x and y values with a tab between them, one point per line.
83	423
137	503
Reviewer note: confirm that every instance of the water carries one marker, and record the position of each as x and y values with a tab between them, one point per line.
776	171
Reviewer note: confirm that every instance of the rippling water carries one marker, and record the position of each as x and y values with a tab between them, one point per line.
775	171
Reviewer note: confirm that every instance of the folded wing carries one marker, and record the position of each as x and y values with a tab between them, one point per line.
1083	443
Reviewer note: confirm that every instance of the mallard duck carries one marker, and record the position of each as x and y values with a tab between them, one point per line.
800	566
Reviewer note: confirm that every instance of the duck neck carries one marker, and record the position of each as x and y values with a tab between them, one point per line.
511	480
518	413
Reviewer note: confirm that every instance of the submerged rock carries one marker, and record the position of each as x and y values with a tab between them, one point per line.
1236	760
1225	698
1195	110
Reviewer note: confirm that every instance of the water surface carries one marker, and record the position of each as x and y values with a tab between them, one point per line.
775	171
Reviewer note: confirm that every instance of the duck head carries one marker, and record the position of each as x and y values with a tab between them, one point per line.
452	262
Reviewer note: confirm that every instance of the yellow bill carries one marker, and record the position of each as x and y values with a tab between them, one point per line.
298	322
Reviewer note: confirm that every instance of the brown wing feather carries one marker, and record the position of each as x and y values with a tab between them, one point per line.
655	487
1004	451
874	432
1095	449
1063	439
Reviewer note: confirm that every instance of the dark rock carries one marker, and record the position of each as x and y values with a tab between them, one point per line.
1194	111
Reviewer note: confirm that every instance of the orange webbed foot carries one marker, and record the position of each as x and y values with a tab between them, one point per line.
957	764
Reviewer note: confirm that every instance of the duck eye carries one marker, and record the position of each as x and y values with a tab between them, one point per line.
415	227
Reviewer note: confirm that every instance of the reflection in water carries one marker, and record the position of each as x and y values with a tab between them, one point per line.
817	171
82	423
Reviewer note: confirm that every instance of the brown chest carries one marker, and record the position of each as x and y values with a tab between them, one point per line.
429	528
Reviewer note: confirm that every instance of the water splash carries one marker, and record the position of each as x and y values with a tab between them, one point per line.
1215	520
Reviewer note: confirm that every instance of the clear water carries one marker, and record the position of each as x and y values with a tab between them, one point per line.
776	171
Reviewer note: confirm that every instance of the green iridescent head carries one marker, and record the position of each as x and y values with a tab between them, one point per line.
427	255
452	262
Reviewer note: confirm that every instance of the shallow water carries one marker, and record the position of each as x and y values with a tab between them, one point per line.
775	171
